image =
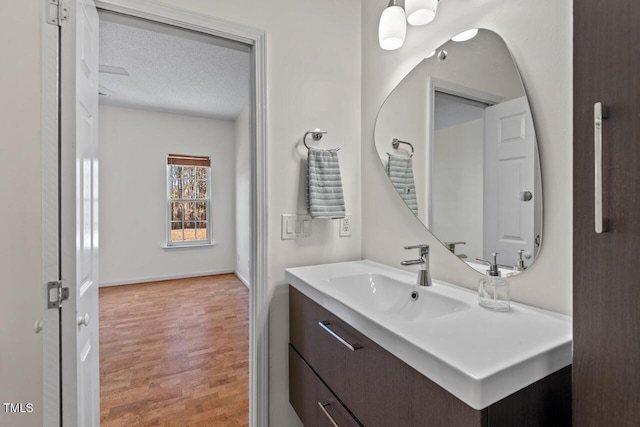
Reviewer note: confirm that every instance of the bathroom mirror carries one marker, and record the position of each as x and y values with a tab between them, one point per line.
457	140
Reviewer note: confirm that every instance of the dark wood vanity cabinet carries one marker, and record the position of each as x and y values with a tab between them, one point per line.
335	367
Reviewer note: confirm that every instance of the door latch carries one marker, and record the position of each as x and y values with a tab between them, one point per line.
57	294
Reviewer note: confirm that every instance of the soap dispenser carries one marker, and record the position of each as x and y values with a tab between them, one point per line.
493	290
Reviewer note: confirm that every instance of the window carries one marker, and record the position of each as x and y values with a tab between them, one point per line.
188	200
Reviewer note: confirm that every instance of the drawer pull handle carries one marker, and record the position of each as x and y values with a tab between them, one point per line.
323	407
324	324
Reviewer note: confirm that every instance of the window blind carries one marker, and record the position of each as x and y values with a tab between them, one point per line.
186	160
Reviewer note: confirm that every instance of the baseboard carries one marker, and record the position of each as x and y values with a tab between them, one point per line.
242	279
160	278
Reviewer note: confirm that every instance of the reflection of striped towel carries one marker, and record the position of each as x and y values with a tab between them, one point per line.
324	185
400	171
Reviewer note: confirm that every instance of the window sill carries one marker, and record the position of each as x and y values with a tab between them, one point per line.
197	245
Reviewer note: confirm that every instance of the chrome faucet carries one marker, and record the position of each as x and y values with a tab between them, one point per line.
424	278
452	248
520	265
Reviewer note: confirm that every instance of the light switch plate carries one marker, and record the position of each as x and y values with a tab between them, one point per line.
294	226
346	224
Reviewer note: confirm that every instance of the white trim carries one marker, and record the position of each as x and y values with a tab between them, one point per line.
188	245
259	292
259	296
166	277
464	92
242	279
154	11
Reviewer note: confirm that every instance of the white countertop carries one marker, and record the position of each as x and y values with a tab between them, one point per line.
479	356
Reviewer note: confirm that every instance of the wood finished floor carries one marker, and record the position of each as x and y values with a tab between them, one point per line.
175	353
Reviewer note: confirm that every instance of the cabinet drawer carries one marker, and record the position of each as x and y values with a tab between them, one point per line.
314	403
377	387
331	347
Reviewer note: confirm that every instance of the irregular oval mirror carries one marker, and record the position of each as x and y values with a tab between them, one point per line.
457	141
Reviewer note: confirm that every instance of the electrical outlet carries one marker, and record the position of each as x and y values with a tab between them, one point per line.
346	224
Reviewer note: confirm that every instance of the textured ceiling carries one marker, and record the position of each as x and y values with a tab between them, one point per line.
172	70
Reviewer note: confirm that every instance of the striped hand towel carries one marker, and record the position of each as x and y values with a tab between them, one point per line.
324	185
400	171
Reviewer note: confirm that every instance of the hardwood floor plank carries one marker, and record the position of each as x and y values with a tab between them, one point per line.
175	353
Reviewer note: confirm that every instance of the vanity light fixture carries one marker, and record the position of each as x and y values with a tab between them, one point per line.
420	12
393	27
465	35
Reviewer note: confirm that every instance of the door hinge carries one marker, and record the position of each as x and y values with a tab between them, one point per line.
57	11
57	294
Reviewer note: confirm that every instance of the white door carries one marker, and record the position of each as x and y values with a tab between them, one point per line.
510	187
79	214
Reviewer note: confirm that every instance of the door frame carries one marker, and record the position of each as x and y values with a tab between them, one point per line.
258	310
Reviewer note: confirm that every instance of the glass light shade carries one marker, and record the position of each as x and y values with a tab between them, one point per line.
420	12
393	28
465	35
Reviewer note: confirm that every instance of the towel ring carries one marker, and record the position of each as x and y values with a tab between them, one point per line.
395	143
316	135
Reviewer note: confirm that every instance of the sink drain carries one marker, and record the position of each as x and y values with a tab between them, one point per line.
414	295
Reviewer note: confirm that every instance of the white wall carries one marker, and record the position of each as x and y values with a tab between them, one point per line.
133	173
243	197
539	36
482	63
21	212
405	116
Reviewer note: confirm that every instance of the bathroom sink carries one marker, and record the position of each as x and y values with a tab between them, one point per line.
399	300
477	355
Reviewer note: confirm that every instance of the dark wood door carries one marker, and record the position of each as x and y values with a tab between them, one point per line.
606	280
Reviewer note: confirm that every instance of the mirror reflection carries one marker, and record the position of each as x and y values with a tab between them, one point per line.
457	140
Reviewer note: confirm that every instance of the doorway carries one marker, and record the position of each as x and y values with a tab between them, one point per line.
68	386
458	173
179	223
